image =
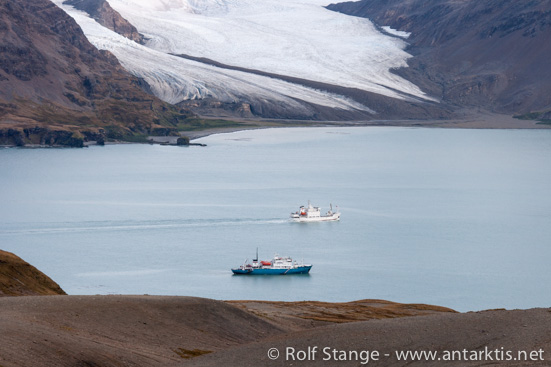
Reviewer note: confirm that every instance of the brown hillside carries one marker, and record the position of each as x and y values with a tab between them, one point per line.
120	330
309	314
474	337
187	331
19	278
149	330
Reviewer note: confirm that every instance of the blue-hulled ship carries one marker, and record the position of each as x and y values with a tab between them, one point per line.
277	266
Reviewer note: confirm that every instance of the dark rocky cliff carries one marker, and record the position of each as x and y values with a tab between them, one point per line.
492	54
108	17
56	87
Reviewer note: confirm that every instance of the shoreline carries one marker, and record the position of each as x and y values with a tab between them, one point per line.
483	121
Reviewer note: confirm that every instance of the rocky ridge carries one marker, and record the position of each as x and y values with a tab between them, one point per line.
104	14
58	89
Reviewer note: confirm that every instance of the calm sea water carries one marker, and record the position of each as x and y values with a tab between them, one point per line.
458	218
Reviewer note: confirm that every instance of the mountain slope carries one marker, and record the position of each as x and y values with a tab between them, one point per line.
56	88
491	54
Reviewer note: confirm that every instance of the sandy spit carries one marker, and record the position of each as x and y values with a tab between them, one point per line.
470	120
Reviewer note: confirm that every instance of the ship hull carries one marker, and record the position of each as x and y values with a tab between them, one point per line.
303	219
265	271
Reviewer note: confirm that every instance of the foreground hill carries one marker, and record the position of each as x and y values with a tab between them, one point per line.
490	54
19	278
486	338
120	330
56	88
152	330
188	331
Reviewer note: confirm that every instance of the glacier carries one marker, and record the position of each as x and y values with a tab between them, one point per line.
294	38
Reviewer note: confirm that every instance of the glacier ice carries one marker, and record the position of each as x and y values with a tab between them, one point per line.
296	38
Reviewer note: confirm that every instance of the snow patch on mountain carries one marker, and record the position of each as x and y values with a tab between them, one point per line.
396	32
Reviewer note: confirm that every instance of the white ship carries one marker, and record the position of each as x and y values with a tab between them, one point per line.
313	214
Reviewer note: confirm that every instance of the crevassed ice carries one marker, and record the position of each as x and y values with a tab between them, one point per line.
295	38
299	38
174	79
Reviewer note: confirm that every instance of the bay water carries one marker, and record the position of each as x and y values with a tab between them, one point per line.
452	217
